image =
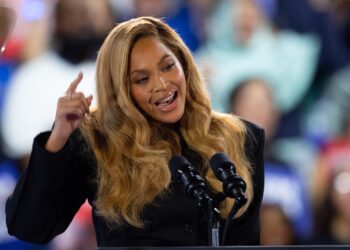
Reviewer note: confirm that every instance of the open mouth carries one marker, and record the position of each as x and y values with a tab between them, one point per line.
163	103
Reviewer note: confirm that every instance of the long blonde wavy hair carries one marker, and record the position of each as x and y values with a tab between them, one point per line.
132	151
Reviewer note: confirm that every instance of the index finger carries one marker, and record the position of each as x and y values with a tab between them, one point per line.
73	86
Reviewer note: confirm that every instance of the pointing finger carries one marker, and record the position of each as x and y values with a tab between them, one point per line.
73	86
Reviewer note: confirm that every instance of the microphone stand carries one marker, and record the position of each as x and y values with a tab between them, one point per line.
214	227
233	185
214	220
196	188
209	206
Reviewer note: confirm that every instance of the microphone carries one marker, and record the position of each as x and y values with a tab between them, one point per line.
233	185
195	186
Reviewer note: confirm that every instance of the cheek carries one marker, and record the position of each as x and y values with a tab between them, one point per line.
182	84
138	95
177	74
182	78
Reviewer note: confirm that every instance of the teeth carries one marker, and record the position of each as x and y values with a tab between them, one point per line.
166	100
169	98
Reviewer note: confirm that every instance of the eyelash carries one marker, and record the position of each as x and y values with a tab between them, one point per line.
142	80
169	66
166	68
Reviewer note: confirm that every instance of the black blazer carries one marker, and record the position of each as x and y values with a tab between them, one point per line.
55	185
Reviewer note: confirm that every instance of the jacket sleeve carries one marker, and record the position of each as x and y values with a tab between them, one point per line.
48	194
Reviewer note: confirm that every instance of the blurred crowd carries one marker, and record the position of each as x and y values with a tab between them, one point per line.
284	65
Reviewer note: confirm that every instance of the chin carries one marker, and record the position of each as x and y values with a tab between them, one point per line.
171	119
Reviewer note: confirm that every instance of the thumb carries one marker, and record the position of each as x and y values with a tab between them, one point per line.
89	99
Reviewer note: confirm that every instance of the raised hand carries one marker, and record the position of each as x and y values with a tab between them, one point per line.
70	112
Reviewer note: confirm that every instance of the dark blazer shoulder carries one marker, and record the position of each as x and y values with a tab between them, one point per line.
246	229
255	134
254	150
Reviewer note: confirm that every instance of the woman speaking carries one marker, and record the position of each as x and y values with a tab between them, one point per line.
151	106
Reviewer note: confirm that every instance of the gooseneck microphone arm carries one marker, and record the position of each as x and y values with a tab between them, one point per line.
233	185
196	188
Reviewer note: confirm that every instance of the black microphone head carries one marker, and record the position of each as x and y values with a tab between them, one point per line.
233	185
220	160
177	162
182	171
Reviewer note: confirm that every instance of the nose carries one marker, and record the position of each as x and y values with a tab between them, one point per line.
160	84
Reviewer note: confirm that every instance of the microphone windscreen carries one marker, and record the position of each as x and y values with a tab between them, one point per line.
219	160
177	162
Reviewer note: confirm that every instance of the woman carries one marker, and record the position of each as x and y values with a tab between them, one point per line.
151	105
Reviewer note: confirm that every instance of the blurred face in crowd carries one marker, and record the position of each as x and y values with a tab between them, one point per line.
158	84
83	17
247	18
276	229
81	26
255	102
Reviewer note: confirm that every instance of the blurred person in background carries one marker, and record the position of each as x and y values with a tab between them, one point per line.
332	104
31	18
331	186
9	57
329	20
254	99
276	226
328	126
241	44
181	15
79	28
200	11
8	169
285	213
332	213
286	217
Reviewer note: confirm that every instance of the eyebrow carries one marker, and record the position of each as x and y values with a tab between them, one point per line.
143	71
